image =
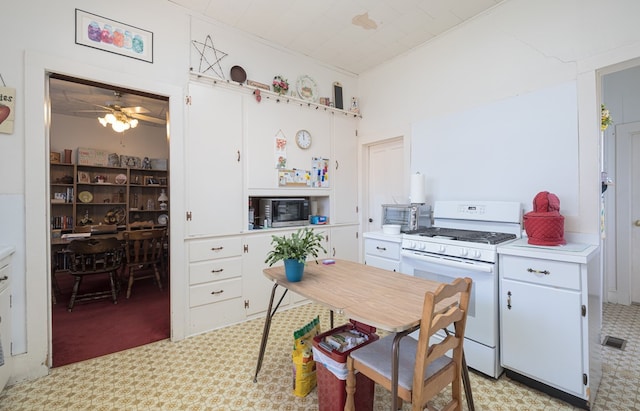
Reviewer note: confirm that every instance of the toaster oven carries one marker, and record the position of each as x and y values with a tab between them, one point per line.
410	217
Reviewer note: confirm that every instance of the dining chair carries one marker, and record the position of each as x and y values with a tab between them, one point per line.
92	257
143	254
424	369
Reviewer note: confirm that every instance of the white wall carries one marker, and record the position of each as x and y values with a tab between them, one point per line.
50	47
518	48
68	132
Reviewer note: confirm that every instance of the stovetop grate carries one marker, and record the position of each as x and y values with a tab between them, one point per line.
472	236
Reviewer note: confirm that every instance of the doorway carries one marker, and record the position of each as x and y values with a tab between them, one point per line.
384	179
127	175
620	85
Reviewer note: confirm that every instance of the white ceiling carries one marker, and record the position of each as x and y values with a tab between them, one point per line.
353	35
74	97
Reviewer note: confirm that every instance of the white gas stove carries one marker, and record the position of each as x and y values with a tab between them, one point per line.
463	242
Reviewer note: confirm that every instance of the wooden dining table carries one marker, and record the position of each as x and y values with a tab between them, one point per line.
381	298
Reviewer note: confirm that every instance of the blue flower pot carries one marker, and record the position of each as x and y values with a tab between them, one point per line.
293	269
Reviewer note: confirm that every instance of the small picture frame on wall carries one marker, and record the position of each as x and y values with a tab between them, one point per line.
83	177
113	36
54	157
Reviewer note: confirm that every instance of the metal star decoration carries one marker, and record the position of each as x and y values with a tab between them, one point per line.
209	53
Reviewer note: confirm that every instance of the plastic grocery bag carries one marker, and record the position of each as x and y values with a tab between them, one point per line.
304	367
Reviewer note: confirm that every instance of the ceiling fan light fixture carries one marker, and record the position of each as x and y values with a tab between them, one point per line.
120	122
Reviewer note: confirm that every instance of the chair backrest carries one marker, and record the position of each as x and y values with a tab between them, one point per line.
90	256
447	306
140	225
144	246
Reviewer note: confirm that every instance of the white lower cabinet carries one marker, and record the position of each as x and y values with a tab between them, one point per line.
226	282
550	320
382	250
256	287
215	283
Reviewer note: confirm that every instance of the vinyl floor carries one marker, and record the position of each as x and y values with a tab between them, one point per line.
214	371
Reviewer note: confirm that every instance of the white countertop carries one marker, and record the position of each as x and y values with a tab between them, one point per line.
6	250
379	235
570	252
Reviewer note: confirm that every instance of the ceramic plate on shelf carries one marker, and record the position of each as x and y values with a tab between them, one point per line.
121	179
163	219
307	88
85	197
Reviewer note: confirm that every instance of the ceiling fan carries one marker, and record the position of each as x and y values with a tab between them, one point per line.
122	117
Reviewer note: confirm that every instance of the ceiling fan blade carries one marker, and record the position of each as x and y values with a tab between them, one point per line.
134	110
149	119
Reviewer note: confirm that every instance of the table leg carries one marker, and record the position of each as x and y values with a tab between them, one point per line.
395	359
267	327
466	382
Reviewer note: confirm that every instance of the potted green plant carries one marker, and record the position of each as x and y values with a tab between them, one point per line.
294	251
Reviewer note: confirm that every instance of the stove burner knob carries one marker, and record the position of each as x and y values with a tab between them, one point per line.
477	254
442	249
464	252
423	246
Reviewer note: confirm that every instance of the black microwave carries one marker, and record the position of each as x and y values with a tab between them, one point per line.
283	212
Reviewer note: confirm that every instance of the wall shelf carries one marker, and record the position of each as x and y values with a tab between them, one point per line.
270	95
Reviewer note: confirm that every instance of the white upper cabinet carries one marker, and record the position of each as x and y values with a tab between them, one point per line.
345	170
213	148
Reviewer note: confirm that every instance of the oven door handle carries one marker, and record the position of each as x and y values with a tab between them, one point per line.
485	268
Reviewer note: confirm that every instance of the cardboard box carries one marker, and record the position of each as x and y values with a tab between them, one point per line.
92	157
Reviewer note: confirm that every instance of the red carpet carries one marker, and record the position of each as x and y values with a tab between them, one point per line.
99	327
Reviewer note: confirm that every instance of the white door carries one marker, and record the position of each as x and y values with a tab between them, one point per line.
384	180
628	211
542	340
213	162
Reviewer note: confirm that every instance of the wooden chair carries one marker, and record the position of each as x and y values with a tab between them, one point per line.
423	370
89	257
143	253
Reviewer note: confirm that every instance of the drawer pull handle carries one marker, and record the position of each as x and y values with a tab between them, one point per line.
381	248
509	300
545	272
218	270
216	248
4	278
217	292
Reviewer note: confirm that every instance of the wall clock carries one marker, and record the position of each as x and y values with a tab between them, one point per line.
303	139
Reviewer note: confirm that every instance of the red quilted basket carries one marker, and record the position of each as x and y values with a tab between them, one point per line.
545	225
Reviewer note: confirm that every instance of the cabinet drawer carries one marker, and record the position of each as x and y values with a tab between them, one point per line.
211	316
214	292
384	249
214	270
200	250
384	263
544	272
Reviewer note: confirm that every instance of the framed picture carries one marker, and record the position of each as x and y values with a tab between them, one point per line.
113	36
150	181
83	177
54	157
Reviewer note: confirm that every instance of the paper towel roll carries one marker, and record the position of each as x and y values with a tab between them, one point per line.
417	195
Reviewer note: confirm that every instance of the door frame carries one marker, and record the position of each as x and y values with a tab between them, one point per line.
37	324
366	178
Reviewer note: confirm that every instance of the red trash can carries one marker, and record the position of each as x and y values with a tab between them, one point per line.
330	353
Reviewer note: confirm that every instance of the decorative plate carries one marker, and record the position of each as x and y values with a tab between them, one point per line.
163	219
85	197
115	216
121	179
307	88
